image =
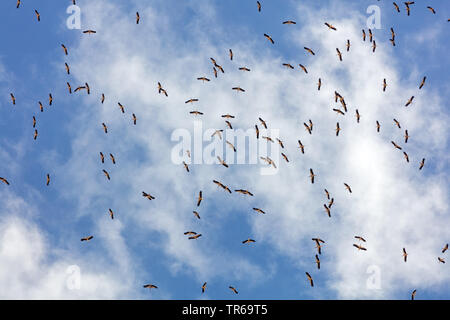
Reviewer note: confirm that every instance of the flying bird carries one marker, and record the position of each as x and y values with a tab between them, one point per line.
263	123
231	145
310	279
289	22
445	248
431	9
203	79
186	166
330	26
364	35
409	101
259	210
358	117
67	68
348	187
105	128
106	174
111	214
359	247
269	38
378	126
34	122
384	85
317	261
89	31
413	294
360	238
38	15
134	119
200	198
233	289
50	99
69	87
150	286
138	18
348	45
231	54
203	287
422	163
48	179
65	49
13	98
244	69
327	209
243	191
303	68
441	260
285	157
311	175
338	129
191	101
147	195
406	136
248	241
238	89
405	255
222	186
258	4
339	54
397	123
195	237
396	7
35	134
423	82
319	84
4	181
196	214
18	4
374	46
87	238
309	50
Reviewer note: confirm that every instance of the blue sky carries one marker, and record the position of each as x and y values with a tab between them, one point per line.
173	44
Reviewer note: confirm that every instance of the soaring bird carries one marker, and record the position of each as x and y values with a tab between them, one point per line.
222	186
280	143
231	287
348	187
409	101
289	22
301	146
134	119
339	111
65	49
229	124
269	161
89	31
327	209
303	68
121	107
248	241
311	175
338	129
370	35
310	279
196	214
186	166
203	79
359	247
190	233
150	286
69	87
105	128
13	98
191	101
34	122
4	181
269	139
358	117
360	238
339	54
215	72
41	107
423	82
259	210
318	241
263	123
138	18
405	255
67	68
231	145
288	65
35	134
147	195
269	38
330	203
258	4
195	237
238	89
48	179
378	126
396	7
102	157
431	9
327	194
441	260
196	112
384	85
330	26
397	123
406	136
422	163
200	198
285	157
348	45
309	50
87	88
244	69
364	35
308	128
203	287
50	99
445	248
243	191
228	116
374	46
396	145
392	33
231	54
413	294
106	174
87	238
317	261
38	15
319	84
18	4
217	132
111	213
257	131
408	9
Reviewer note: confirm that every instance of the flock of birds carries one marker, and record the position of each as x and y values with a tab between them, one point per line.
216	68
